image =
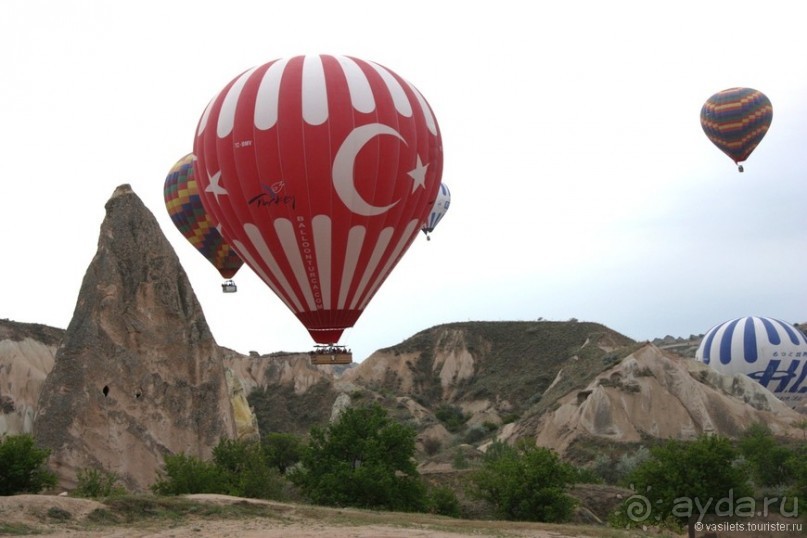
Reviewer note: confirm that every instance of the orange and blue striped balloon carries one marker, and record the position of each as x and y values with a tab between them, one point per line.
736	120
185	208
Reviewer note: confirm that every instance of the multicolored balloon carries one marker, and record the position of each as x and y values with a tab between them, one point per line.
736	120
438	209
320	170
770	351
185	208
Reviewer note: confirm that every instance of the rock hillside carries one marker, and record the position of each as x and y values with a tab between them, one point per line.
27	352
653	394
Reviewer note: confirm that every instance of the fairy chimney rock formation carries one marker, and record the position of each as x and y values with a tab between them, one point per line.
138	374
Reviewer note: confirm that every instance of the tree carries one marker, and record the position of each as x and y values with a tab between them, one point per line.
365	460
245	471
766	457
525	483
282	450
683	481
22	466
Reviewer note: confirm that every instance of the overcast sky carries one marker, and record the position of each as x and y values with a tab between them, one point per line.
582	183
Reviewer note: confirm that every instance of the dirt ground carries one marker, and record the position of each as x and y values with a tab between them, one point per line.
67	517
61	516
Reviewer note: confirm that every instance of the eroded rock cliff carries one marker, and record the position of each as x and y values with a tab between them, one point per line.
138	374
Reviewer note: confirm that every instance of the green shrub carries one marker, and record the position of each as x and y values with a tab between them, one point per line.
96	483
451	416
678	473
282	450
586	475
460	460
245	471
432	445
443	501
527	483
22	466
238	468
797	470
628	462
364	459
183	474
474	435
767	459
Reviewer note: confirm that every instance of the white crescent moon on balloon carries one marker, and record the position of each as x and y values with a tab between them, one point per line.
344	162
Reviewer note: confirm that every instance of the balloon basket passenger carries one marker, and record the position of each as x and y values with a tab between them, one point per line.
228	286
331	354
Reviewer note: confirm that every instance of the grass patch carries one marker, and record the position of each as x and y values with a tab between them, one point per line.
17	529
130	509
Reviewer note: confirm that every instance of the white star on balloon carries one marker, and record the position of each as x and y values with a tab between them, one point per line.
214	186
418	174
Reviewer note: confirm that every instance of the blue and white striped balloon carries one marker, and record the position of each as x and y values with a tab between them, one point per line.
770	351
439	209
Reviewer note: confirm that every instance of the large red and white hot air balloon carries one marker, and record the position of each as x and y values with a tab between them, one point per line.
320	171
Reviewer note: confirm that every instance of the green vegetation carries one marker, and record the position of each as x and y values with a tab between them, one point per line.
526	483
613	465
245	471
364	460
22	466
679	478
537	350
797	466
767	460
238	468
775	467
96	483
282	450
140	509
14	529
183	474
279	409
443	501
451	416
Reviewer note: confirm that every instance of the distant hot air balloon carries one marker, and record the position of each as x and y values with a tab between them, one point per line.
320	170
185	208
770	351
736	120
438	210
